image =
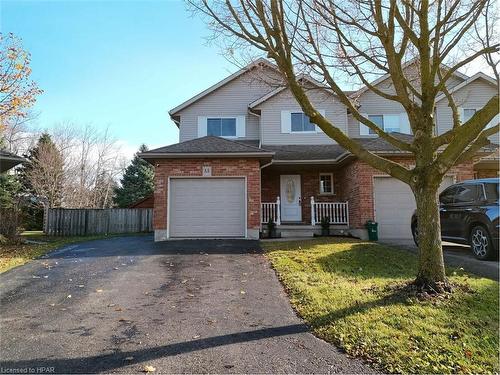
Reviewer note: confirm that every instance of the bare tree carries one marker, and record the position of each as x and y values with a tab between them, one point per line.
417	44
92	162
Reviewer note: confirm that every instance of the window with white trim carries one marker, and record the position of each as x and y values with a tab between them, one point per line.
221	127
388	123
468	113
326	183
301	123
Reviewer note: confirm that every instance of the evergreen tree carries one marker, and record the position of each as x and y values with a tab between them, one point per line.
42	176
137	181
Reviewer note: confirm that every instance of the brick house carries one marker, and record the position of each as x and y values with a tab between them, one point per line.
247	154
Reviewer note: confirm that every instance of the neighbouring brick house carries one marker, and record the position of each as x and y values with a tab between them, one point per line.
248	154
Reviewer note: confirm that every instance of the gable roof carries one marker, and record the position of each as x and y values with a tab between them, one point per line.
207	146
260	61
475	77
387	75
276	91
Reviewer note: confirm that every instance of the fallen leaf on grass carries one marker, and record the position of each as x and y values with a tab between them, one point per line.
148	368
98	290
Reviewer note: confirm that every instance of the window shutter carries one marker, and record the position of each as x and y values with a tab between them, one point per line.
202	126
240	126
404	123
286	122
363	129
323	113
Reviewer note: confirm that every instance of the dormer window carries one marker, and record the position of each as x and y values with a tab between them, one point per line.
301	123
221	127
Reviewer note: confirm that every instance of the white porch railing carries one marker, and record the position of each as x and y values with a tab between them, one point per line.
271	211
337	212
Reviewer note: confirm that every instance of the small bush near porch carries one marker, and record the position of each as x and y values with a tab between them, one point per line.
354	294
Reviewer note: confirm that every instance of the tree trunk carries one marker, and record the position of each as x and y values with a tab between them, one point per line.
431	275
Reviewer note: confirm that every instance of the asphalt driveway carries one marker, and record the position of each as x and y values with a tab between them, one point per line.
120	304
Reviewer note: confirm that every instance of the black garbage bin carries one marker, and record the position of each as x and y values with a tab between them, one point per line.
372	230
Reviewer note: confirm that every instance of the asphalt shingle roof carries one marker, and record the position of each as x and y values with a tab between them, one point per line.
9	160
305	152
207	145
210	144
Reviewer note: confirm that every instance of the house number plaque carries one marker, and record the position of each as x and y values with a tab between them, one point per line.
207	170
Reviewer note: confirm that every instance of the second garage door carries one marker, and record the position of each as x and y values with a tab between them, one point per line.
394	206
207	207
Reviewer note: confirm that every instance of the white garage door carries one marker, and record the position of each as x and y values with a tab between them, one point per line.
394	206
207	207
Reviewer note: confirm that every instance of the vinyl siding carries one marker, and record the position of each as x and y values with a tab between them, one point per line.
475	95
374	104
231	99
284	101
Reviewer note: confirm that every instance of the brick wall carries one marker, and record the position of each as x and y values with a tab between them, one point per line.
486	173
147	202
357	187
193	167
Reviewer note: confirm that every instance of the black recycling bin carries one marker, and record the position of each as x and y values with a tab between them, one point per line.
372	230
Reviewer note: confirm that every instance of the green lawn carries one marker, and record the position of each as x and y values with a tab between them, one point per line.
354	294
14	255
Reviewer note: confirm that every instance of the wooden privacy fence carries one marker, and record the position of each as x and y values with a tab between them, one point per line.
87	221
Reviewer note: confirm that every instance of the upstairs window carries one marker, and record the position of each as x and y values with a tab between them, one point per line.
326	183
301	123
388	123
468	113
378	120
221	127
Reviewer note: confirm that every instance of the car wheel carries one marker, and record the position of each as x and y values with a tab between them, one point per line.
414	232
480	243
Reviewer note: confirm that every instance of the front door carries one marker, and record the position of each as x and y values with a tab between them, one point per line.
291	209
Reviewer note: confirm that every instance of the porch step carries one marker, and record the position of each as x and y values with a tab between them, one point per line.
289	231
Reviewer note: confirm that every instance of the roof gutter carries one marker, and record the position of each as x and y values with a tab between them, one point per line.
191	155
